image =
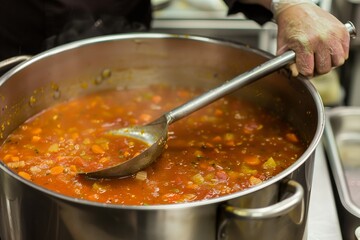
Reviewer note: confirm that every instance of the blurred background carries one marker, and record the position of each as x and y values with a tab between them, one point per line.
209	18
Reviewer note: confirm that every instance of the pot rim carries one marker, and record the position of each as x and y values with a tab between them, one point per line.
118	37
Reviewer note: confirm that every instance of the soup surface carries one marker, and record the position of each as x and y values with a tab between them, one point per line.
223	148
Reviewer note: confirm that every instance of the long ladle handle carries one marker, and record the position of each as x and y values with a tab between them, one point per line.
230	86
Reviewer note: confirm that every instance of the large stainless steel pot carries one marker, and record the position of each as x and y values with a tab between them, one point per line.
275	209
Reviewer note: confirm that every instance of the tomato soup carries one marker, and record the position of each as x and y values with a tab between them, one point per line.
223	148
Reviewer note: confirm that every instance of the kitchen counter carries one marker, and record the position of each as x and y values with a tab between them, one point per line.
323	220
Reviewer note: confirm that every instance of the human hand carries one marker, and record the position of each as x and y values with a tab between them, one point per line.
320	41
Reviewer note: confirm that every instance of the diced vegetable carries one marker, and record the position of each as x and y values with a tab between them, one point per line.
292	137
269	164
17	164
53	148
97	187
254	181
25	175
252	160
198	154
225	147
197	178
141	175
97	149
35	138
56	170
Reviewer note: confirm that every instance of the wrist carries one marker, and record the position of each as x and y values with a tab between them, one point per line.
278	6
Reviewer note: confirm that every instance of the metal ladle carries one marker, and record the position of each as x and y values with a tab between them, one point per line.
156	132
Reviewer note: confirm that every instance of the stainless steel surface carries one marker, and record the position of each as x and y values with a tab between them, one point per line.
265	220
13	61
350	10
182	17
323	221
342	142
141	60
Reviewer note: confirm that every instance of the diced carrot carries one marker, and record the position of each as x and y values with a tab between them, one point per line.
292	137
230	143
156	99
217	139
209	145
15	158
97	149
56	170
198	154
35	138
218	112
7	157
24	175
206	166
75	136
192	185
145	117
73	168
36	131
233	174
252	160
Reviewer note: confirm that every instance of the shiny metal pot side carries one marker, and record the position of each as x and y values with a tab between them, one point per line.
276	208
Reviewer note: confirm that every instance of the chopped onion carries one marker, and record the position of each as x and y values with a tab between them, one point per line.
142	175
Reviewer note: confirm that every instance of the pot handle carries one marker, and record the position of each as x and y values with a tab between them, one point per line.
257	223
276	210
7	63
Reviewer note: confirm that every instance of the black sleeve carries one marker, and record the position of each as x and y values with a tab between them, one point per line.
28	27
254	12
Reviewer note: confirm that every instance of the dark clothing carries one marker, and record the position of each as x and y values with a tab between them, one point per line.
255	12
28	27
31	26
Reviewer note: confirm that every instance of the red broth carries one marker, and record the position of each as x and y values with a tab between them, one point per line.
223	148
